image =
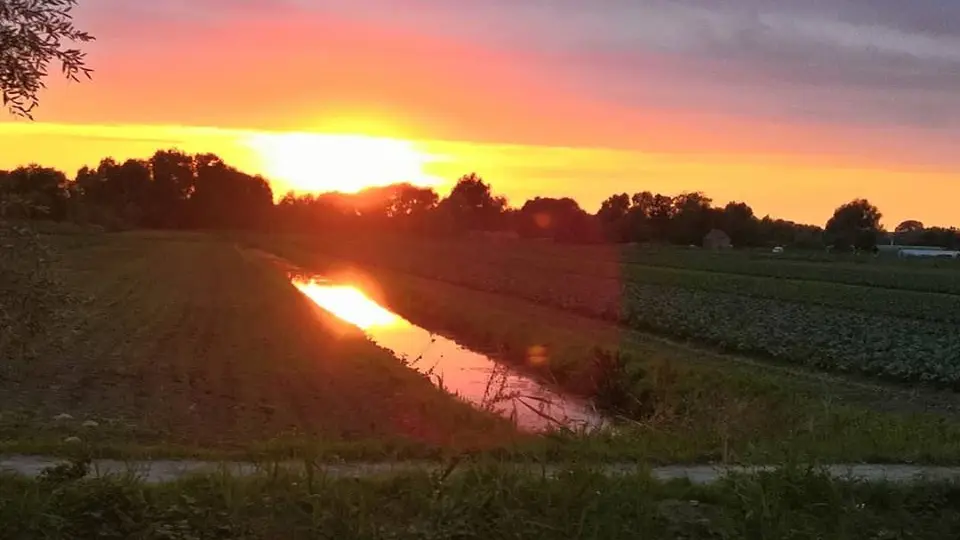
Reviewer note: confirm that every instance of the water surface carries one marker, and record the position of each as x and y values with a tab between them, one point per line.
473	376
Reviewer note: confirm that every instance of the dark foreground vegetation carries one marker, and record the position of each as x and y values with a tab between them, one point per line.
473	501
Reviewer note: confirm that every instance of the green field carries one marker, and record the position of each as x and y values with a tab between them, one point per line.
684	403
183	342
839	317
191	344
194	345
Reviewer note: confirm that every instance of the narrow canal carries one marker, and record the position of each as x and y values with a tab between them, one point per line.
471	375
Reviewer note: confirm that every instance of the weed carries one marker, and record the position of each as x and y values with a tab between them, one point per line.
480	500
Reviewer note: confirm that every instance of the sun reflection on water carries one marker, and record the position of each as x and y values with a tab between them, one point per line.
348	303
472	376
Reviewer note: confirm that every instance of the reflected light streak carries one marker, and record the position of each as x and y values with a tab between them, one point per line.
474	377
347	303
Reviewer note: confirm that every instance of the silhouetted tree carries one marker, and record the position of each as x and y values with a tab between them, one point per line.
172	189
173	182
32	36
410	208
410	201
639	224
948	238
692	218
112	195
787	233
855	224
472	206
612	217
395	207
911	225
39	192
225	198
688	217
661	215
738	221
560	219
908	232
293	213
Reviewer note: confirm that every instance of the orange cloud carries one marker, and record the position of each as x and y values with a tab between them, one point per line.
522	121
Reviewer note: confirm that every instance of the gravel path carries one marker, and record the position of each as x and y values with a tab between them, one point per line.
169	470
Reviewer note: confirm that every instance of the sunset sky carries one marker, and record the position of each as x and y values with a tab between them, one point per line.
794	106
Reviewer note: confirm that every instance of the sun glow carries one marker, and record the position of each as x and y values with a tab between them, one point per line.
347	303
347	163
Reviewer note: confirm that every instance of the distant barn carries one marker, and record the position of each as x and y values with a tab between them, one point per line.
717	239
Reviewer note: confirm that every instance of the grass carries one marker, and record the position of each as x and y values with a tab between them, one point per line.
475	501
898	342
898	302
686	404
863	269
184	345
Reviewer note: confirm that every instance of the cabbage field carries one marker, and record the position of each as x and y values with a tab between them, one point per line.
890	321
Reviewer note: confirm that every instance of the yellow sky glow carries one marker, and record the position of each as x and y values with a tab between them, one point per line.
798	188
346	163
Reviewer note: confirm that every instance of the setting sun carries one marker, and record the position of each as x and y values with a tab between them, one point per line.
346	163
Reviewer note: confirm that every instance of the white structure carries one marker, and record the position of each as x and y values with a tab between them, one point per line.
885	248
938	253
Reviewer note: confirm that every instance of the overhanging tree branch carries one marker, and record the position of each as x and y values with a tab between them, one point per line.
33	35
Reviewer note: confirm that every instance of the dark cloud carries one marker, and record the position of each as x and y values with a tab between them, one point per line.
866	61
933	17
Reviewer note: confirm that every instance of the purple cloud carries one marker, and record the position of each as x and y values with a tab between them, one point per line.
870	62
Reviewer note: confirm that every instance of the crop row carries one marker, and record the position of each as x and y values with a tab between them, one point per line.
838	340
872	300
818	336
922	276
888	275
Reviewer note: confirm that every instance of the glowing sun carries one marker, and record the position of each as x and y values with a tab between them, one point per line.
306	162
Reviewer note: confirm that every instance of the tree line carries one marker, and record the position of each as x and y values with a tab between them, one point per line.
175	190
170	190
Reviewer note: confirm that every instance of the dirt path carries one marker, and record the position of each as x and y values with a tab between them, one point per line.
170	470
